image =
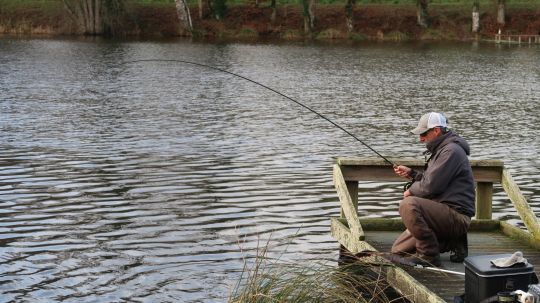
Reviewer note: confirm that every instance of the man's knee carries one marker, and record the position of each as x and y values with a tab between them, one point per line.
407	204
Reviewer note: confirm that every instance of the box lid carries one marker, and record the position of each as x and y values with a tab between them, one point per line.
482	266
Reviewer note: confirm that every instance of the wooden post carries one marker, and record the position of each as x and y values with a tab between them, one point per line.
484	197
519	39
352	187
347	207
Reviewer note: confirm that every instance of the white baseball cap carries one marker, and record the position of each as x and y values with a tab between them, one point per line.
429	121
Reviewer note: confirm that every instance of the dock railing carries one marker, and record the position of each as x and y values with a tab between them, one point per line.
349	232
517	39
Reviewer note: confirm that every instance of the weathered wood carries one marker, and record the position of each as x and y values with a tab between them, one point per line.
343	234
409	287
382	224
386	224
484	225
485	235
520	203
347	205
352	187
370	169
404	283
445	285
345	161
484	198
519	234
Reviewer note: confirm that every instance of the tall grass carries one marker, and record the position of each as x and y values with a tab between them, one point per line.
269	280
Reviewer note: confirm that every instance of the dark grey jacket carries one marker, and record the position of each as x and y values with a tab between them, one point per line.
448	177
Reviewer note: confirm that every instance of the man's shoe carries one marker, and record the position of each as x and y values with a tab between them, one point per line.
459	249
416	260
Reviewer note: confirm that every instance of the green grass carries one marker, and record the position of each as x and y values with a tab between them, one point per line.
271	280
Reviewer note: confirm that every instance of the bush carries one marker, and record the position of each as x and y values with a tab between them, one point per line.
220	8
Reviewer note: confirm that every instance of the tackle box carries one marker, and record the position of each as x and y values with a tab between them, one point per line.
484	280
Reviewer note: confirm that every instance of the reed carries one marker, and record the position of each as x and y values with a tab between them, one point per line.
275	280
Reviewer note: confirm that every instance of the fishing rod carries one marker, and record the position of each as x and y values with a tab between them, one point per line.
269	88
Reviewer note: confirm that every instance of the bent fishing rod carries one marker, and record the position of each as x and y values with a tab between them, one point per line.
267	87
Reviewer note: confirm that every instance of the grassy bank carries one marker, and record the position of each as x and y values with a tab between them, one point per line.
247	19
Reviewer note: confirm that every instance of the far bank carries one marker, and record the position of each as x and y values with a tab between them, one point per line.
253	21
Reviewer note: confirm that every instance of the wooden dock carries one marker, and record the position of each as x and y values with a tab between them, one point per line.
517	39
486	236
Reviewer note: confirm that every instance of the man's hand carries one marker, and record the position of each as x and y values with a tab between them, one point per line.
406	193
403	171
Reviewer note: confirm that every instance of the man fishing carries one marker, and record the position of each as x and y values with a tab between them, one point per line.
438	205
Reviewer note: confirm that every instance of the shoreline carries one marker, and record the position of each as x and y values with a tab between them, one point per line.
374	22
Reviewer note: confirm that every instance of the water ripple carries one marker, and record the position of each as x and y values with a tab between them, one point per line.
155	182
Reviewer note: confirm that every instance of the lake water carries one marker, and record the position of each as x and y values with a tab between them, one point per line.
153	181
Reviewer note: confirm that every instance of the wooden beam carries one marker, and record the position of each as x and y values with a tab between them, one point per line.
400	280
484	198
343	234
380	224
484	225
369	169
520	203
409	287
519	234
347	205
352	187
387	224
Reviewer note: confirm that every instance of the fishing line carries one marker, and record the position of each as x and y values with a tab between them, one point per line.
269	88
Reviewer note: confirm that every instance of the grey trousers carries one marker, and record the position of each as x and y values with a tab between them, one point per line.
430	227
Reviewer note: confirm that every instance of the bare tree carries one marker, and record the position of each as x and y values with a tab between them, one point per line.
309	16
201	6
184	16
274	12
476	16
501	7
422	13
93	17
349	14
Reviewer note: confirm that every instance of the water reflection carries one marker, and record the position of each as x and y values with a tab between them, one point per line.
151	182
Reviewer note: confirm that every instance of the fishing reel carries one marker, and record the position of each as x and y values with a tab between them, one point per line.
407	185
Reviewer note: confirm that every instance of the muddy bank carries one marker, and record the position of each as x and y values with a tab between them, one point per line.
373	22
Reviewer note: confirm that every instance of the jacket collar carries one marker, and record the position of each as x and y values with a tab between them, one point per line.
433	145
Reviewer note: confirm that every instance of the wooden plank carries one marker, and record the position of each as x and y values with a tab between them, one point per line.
343	234
400	280
484	225
446	286
409	287
520	203
354	161
382	224
369	169
386	224
484	198
347	205
352	187
519	234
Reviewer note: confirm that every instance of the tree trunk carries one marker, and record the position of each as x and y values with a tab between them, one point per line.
476	16
309	17
349	15
422	13
501	6
182	10
311	14
274	12
200	2
92	16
